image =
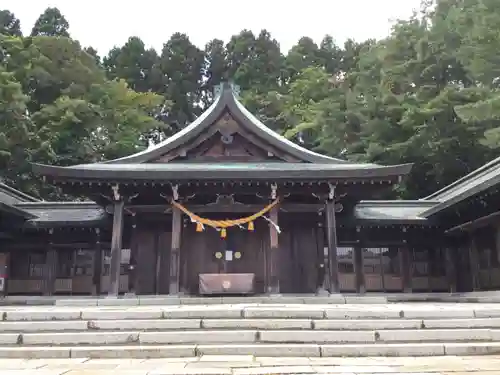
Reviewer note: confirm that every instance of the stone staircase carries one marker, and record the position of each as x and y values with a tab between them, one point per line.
261	326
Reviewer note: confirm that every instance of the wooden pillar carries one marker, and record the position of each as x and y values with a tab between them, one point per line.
97	263
359	269
159	259
273	282
497	242
331	235
451	271
175	251
132	270
358	261
405	268
4	272
50	268
116	248
474	264
321	282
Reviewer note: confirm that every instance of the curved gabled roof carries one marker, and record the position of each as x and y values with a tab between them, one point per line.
302	164
226	100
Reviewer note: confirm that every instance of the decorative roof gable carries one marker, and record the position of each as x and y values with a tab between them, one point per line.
229	131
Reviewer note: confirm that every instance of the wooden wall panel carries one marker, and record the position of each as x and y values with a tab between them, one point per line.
143	246
164	243
149	246
287	261
300	246
198	255
252	245
306	242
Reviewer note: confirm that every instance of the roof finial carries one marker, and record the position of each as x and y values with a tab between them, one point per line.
223	86
218	89
236	89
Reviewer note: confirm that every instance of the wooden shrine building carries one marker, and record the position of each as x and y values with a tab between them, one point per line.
227	206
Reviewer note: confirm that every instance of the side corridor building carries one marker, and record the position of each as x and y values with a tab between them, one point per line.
227	206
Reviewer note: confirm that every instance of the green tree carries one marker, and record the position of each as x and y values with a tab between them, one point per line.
9	24
255	62
109	121
138	66
303	55
19	143
60	108
49	67
51	23
215	69
181	64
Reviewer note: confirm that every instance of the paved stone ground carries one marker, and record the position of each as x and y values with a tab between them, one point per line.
249	365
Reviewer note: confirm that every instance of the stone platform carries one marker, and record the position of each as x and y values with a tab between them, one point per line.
249	365
127	328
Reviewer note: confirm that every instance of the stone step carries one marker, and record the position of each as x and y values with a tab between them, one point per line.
248	336
244	324
136	331
170	300
370	298
317	312
261	350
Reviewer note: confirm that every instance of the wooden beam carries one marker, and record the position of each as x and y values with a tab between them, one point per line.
116	248
58	246
175	252
331	235
225	208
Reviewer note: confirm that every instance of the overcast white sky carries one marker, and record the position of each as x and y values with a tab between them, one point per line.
105	23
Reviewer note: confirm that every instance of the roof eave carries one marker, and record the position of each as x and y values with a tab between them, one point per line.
37	224
473	191
23	197
488	167
395	221
16	211
77	172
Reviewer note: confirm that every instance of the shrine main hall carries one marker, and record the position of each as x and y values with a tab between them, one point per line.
227	206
